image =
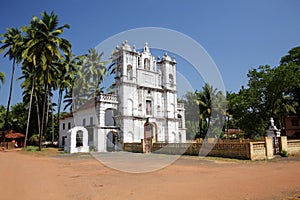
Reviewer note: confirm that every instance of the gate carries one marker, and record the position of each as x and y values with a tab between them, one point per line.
276	146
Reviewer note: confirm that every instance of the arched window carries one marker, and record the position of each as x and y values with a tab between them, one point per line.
129	72
159	78
108	117
148	107
171	80
139	62
180	121
79	139
147	64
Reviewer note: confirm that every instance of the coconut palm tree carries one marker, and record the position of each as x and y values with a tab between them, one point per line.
68	72
28	85
204	101
208	100
44	46
11	42
91	75
94	71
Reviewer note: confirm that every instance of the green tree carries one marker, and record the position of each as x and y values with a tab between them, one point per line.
271	92
2	116
293	58
18	117
90	77
10	42
191	114
69	71
211	105
44	46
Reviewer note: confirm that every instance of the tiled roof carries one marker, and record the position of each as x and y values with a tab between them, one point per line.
12	134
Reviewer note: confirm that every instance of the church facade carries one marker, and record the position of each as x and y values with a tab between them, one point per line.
142	107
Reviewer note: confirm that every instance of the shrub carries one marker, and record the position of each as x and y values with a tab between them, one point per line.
92	148
284	153
31	148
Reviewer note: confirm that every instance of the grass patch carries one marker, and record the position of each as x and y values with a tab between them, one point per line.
31	148
34	150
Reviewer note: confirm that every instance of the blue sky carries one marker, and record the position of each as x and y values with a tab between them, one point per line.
238	35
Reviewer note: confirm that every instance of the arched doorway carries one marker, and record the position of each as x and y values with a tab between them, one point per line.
79	138
149	135
112	141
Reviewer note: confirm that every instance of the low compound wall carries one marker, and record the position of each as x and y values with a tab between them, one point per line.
249	150
293	146
223	149
135	147
258	150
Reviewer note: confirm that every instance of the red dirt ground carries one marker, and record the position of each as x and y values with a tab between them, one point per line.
32	177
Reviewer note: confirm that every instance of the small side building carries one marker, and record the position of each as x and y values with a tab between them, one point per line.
292	126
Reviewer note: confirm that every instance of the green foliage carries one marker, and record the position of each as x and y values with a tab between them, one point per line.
31	148
2	116
92	148
271	92
92	74
284	153
34	139
191	114
199	107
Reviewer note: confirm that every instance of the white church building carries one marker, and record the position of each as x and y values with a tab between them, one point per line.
142	107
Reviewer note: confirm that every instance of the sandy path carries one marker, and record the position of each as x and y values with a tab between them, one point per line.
30	177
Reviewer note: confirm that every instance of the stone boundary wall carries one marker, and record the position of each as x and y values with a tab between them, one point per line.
250	150
223	149
231	150
258	150
293	146
135	147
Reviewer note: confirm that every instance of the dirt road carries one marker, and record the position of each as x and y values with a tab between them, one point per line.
68	177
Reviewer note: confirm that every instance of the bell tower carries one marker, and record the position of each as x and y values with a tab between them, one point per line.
167	66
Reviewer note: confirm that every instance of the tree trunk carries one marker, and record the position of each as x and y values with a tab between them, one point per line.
44	110
29	112
9	98
52	139
38	113
58	107
47	114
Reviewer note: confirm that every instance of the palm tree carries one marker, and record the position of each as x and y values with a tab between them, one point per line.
12	39
28	85
44	46
91	75
204	101
67	75
94	71
208	100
